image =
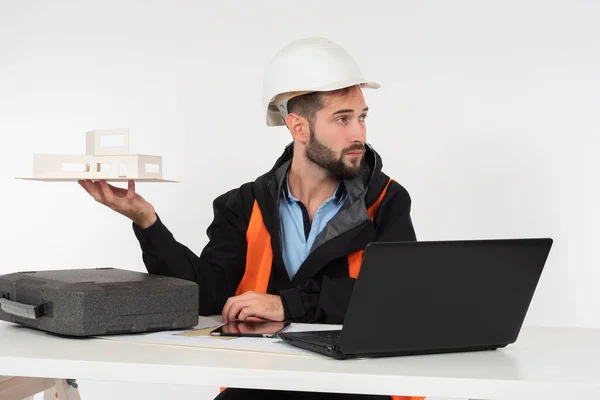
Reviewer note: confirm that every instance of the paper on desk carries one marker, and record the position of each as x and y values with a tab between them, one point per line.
199	336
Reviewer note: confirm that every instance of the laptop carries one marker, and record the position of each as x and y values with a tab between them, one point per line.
414	298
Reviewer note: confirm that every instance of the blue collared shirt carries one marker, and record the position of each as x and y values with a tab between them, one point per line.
298	234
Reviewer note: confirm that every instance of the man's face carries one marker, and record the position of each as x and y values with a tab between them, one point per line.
338	135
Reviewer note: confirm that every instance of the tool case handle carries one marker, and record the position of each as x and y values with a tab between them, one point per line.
21	310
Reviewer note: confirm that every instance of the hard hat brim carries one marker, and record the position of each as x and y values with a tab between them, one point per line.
273	116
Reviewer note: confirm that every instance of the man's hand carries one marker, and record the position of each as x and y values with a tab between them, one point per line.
123	201
253	304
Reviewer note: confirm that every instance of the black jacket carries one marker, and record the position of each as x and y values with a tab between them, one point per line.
321	289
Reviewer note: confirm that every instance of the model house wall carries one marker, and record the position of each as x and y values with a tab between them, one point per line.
106	157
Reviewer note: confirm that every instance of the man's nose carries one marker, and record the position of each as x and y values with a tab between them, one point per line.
358	133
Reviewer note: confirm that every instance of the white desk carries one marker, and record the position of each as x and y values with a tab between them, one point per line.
544	364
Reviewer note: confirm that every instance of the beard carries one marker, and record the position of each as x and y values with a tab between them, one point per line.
325	158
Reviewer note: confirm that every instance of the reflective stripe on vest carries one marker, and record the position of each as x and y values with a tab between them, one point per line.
355	259
259	255
259	259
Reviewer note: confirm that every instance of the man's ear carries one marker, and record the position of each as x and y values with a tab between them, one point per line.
298	127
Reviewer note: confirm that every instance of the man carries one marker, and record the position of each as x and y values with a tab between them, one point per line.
288	246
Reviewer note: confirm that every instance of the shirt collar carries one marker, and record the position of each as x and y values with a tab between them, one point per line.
339	194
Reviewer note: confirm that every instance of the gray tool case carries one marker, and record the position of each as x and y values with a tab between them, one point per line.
98	301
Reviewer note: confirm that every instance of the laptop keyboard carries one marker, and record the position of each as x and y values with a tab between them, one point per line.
323	337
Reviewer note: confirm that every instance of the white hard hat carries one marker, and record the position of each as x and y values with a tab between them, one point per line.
304	66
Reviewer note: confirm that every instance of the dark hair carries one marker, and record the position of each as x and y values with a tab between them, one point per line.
307	105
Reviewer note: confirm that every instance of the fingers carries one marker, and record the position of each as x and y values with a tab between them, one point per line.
130	189
107	192
120	192
94	190
83	184
124	201
253	306
233	304
116	198
258	310
246	313
236	307
103	193
227	307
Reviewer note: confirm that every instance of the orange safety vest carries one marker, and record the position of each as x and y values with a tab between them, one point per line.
259	259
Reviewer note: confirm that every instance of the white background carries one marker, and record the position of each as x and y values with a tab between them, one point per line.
488	115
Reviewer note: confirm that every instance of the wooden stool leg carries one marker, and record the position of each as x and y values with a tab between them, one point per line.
19	388
62	390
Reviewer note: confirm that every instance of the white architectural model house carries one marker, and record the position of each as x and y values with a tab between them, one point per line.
106	157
